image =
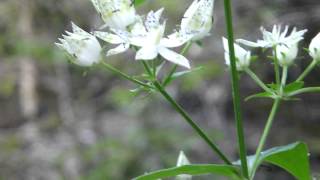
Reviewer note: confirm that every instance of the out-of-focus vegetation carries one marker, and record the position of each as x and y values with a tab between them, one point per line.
65	122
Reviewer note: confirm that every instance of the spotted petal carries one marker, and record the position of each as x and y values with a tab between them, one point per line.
108	37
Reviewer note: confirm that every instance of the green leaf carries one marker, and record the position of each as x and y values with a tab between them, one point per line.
293	87
260	95
138	2
222	170
274	86
182	73
293	158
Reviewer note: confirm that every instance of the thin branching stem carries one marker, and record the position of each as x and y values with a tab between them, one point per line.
307	70
276	66
283	79
167	80
304	90
236	91
258	80
189	120
265	135
147	68
125	76
192	123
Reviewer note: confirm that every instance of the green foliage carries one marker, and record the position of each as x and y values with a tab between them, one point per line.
288	89
292	158
260	95
223	170
180	74
293	87
138	2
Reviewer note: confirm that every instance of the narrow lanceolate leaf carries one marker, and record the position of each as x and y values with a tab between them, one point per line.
182	73
293	158
203	169
261	95
293	87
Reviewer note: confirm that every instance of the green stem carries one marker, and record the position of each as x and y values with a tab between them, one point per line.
276	66
185	49
257	80
189	120
153	67
265	135
284	79
235	89
125	76
305	90
307	70
147	68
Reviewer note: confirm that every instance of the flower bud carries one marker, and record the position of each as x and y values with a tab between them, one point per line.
81	45
117	14
197	20
243	56
314	48
182	161
286	54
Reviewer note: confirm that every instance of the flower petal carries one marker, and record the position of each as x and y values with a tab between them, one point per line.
108	37
81	45
174	57
191	11
153	19
314	47
247	43
174	40
119	49
147	53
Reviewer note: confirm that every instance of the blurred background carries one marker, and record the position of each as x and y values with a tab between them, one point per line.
59	121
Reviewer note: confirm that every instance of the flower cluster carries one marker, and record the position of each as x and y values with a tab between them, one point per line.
284	46
81	45
145	34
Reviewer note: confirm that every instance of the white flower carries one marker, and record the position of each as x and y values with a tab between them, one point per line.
117	14
83	46
287	54
183	160
153	43
243	56
314	48
121	38
197	20
276	37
